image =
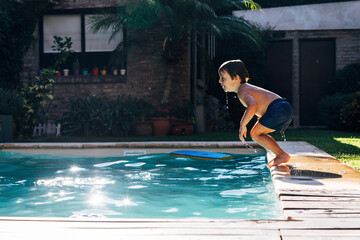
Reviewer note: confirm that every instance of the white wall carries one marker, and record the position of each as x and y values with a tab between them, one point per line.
341	15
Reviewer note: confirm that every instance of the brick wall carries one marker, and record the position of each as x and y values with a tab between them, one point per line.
145	79
347	52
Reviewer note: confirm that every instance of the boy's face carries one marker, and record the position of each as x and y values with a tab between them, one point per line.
227	83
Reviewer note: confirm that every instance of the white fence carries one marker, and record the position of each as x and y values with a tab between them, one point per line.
49	129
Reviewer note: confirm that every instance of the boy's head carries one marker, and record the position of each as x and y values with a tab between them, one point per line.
235	68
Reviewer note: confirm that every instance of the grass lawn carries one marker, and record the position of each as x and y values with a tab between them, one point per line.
345	146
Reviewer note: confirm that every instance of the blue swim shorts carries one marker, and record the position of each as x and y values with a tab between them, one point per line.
278	115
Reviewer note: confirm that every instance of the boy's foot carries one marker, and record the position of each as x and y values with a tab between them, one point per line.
284	158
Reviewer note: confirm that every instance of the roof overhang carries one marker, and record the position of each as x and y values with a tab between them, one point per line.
40	1
327	16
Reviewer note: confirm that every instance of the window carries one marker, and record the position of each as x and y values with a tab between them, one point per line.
62	25
99	42
91	49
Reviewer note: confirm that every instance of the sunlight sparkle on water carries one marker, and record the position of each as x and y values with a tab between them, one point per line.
96	199
76	169
70	181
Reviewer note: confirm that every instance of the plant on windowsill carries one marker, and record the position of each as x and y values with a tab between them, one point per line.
62	47
117	61
76	66
122	66
114	71
103	71
123	71
95	71
66	72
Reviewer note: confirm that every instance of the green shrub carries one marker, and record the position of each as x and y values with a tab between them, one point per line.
350	114
98	117
10	103
184	111
334	111
35	98
347	80
143	110
18	22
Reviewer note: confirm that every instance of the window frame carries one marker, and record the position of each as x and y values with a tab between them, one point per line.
82	12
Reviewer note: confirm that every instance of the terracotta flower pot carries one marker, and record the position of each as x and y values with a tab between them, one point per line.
161	126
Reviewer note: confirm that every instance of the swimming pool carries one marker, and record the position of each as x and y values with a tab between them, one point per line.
149	185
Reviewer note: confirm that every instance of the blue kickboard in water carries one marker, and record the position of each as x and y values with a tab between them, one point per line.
201	155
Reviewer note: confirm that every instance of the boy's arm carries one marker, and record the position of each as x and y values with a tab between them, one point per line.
251	106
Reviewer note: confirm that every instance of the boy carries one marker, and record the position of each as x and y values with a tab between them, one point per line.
274	113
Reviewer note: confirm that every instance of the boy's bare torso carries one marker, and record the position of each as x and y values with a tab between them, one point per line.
262	97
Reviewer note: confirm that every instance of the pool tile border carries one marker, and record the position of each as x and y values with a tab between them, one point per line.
175	144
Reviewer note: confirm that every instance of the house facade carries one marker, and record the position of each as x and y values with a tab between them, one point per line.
311	42
145	75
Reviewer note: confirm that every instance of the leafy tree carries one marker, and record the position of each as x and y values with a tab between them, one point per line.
178	21
18	21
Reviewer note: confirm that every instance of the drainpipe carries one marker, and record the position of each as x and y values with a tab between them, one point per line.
296	81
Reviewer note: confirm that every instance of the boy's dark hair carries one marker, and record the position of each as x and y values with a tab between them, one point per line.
235	68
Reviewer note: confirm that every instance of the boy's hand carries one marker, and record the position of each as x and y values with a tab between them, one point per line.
242	133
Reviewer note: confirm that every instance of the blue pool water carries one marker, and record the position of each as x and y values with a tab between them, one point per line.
147	186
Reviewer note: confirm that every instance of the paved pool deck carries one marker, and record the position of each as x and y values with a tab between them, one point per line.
320	197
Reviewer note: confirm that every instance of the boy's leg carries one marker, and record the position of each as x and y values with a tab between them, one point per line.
259	133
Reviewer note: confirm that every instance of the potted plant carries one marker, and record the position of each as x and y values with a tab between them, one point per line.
76	66
123	66
103	71
114	71
66	72
95	71
161	121
62	47
143	127
117	61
